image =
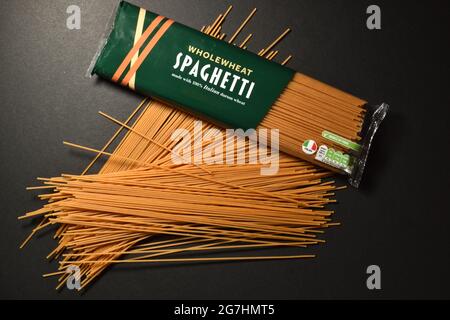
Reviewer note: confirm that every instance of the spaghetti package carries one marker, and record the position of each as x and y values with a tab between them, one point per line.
237	89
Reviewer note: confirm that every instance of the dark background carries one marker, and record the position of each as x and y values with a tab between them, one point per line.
399	219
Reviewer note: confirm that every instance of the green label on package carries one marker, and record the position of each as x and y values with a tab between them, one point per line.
341	141
157	57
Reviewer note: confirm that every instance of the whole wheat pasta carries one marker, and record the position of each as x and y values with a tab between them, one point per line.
100	232
106	213
237	89
141	208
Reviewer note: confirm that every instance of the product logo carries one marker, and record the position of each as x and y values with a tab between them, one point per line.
309	147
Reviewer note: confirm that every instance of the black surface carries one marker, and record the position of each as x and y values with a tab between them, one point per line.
399	219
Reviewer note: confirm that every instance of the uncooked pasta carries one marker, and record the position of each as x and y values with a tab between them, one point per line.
237	89
142	208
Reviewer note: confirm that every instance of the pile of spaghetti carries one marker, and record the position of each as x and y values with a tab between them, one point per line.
141	208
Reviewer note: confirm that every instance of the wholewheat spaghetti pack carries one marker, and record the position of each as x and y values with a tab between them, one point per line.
235	88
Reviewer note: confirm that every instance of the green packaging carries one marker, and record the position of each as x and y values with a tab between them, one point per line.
189	69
